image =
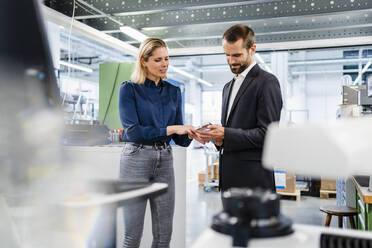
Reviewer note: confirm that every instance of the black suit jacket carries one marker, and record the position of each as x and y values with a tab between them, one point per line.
257	103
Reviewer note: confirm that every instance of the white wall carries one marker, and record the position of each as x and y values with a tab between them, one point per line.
193	99
324	96
218	75
318	93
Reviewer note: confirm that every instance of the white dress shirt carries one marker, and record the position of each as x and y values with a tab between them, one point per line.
239	78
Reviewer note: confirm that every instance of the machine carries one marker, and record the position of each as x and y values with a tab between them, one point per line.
358	95
338	148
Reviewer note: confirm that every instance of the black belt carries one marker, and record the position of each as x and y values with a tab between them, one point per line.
156	144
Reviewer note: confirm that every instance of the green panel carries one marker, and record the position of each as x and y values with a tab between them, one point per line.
359	226
367	214
111	76
369	217
359	210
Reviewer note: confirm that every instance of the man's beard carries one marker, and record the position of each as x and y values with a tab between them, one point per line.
240	69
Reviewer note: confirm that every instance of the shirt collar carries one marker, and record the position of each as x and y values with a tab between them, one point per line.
245	72
152	84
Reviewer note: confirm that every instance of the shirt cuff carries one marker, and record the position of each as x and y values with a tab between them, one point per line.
163	131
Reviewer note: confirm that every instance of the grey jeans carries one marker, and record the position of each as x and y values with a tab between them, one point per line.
141	163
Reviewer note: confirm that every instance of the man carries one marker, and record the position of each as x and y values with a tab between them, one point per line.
250	102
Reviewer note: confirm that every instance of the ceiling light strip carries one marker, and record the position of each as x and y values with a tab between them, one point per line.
85	17
134	33
191	76
89	32
78	67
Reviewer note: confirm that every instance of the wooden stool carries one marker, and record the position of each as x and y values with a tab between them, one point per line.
339	211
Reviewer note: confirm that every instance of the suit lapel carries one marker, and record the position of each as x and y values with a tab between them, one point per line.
247	80
225	101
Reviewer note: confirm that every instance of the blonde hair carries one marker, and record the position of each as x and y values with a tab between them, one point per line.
145	51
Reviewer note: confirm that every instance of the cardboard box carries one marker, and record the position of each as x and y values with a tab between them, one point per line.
216	171
201	177
328	184
290	183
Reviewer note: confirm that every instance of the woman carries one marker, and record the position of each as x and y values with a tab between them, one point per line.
151	114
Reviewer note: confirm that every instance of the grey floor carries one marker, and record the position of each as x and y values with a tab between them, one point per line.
201	206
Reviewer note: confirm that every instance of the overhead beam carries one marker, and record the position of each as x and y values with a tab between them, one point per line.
302	36
278	46
132	7
87	31
270	26
257	11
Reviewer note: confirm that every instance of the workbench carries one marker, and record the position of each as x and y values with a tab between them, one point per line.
363	202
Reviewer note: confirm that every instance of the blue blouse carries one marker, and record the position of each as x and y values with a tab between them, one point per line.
146	110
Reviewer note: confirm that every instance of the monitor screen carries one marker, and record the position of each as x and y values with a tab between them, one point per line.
24	50
28	95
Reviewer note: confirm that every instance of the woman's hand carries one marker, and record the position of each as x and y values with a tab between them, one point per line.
194	135
179	129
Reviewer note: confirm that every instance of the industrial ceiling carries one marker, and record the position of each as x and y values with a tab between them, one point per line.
196	26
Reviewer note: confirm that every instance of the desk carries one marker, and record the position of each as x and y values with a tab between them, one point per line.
84	219
103	162
363	206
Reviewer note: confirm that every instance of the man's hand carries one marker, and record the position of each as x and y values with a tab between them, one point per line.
214	132
194	135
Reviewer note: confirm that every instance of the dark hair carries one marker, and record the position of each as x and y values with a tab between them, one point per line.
240	31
